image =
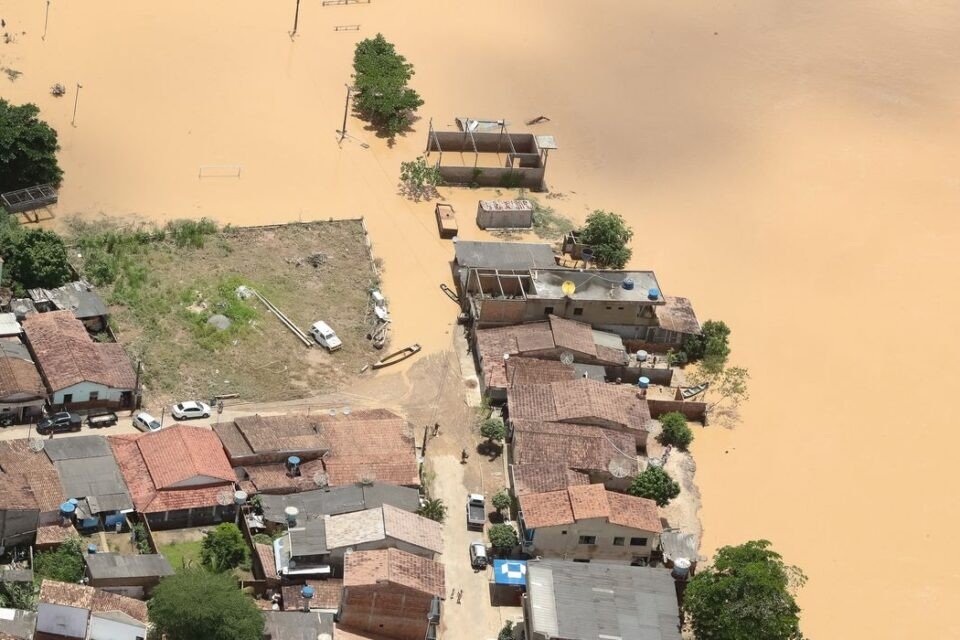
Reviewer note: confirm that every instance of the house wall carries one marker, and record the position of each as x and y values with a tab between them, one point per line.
183	518
335	558
551	542
60	620
18	525
628	319
104	629
137	587
81	393
388	609
691	410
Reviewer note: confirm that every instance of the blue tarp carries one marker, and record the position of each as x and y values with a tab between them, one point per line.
510	572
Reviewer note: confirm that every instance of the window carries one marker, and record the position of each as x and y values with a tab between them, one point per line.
67	398
581	560
94	396
547	311
609	308
587	540
618	542
638	542
564	532
578	311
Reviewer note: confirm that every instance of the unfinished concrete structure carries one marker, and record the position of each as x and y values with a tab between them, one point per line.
490	158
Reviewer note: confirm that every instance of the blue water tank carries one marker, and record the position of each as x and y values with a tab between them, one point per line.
644	382
91	548
67	509
73	501
293	465
627	284
653	294
307	592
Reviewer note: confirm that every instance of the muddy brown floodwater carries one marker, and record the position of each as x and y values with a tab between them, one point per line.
790	166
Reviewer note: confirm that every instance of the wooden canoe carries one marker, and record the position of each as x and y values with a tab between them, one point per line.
396	356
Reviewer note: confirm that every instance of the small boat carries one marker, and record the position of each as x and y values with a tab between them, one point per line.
396	356
690	392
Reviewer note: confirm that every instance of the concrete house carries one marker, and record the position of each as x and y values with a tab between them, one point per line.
22	392
178	476
90	475
78	372
132	576
578	601
373	445
549	456
582	401
392	593
67	610
587	522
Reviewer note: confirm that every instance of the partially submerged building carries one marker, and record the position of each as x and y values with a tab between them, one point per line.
299	452
586	601
178	476
587	522
392	593
78	372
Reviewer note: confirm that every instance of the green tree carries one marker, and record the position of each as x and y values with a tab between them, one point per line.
381	75
433	509
675	431
223	548
493	429
33	257
656	484
195	604
748	592
503	538
28	148
608	235
65	563
711	346
420	178
506	633
501	500
18	595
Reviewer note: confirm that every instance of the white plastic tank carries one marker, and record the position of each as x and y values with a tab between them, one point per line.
681	569
291	513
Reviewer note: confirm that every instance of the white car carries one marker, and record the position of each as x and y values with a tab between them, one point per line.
478	555
325	336
190	409
146	422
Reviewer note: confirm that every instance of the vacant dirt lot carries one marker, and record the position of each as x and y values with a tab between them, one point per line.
312	271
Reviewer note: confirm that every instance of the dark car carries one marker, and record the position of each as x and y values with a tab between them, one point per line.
60	423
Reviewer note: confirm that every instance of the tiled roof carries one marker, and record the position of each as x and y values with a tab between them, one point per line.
290	432
355	528
96	600
580	400
15	493
586	502
580	447
521	371
267	561
540	478
181	453
677	315
326	595
394	566
572	335
146	497
18	373
31	469
53	534
67	355
413	529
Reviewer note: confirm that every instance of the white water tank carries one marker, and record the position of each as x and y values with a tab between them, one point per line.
291	513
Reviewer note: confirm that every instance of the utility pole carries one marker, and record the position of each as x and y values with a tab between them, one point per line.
76	99
46	18
346	109
296	19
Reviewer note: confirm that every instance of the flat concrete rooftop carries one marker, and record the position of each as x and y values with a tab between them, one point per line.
597	285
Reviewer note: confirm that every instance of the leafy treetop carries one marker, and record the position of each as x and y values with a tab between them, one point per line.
196	604
503	537
65	563
28	148
748	592
675	431
711	346
493	429
381	76
655	484
608	235
223	548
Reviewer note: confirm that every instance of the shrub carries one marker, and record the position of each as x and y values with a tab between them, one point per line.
711	346
419	178
223	548
608	235
675	431
65	563
655	484
501	500
493	429
503	538
433	509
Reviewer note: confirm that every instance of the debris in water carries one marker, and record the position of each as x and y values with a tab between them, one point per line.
58	90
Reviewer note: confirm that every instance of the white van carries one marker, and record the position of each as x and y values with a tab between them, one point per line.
325	336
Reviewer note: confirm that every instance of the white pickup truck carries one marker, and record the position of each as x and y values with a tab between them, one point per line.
476	511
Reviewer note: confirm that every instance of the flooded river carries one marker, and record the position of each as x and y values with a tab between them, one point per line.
789	165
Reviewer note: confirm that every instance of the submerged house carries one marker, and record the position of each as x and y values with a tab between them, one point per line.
78	372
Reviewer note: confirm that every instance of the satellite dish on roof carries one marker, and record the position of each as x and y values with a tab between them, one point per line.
321	479
36	445
618	468
225	497
566	358
568	287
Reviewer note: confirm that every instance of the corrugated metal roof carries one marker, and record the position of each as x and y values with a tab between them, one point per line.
309	539
592	600
77	448
87	469
337	500
103	566
296	625
504	255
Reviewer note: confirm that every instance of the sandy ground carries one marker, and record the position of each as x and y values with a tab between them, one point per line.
789	166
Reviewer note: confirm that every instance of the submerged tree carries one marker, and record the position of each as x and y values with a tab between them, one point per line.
711	346
748	592
608	235
28	148
380	76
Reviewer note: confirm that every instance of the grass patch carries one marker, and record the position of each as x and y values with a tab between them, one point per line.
547	223
182	555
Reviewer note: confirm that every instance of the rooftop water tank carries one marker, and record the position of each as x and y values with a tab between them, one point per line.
293	465
307	592
586	254
291	513
91	548
240	497
644	382
627	284
641	356
653	294
68	509
681	569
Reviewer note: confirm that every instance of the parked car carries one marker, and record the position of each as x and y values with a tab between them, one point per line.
146	422
190	409
476	511
100	419
60	423
478	555
325	336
